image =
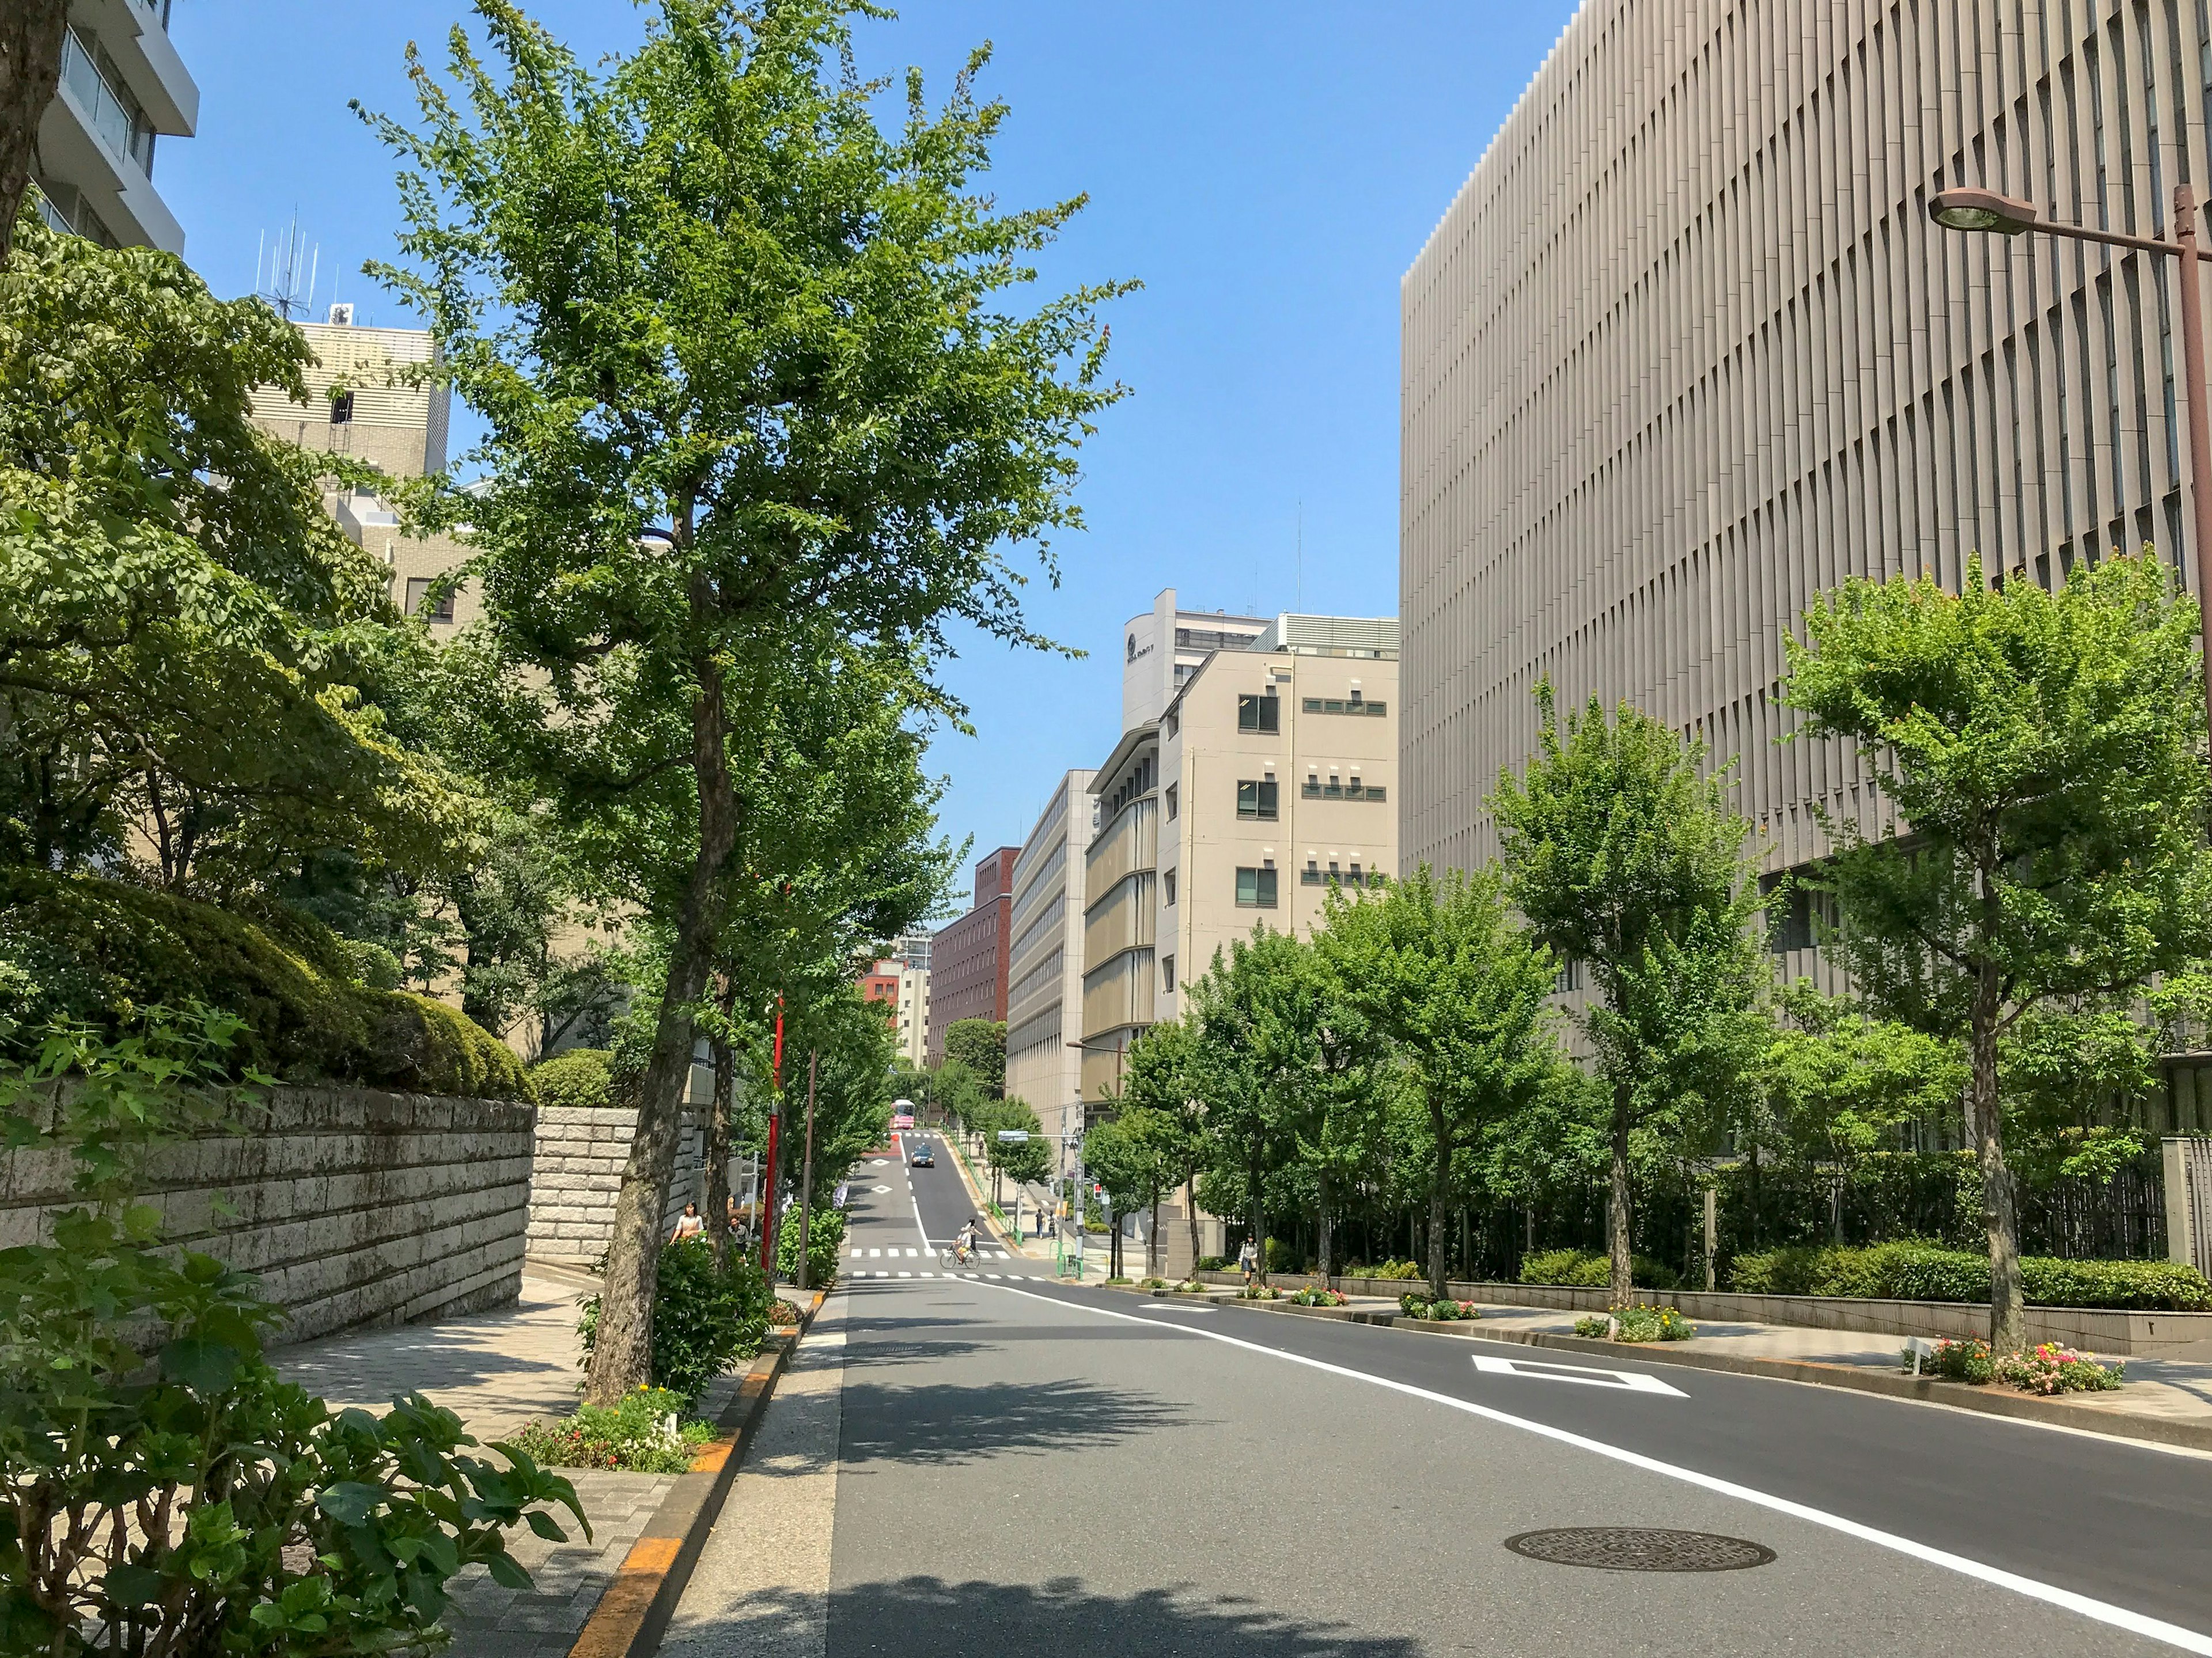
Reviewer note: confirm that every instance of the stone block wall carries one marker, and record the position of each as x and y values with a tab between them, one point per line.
581	1149
353	1207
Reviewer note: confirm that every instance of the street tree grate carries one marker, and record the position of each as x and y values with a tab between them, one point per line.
1632	1548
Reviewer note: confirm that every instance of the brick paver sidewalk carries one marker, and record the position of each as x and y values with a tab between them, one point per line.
496	1371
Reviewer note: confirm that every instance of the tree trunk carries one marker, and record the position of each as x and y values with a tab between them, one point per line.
30	73
1617	1209
1985	1122
622	1353
1153	1239
1325	1228
718	1127
1439	1204
1256	1206
1190	1214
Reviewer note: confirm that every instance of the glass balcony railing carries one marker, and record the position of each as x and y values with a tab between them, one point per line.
116	119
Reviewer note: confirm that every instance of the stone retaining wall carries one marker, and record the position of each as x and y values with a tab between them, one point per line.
581	1149
2095	1329
353	1207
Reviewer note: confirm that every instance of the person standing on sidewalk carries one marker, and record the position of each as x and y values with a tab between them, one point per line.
689	1224
1247	1261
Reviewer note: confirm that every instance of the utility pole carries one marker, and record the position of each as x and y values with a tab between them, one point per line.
807	1174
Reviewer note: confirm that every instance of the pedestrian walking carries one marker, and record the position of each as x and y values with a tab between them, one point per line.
1247	1261
689	1224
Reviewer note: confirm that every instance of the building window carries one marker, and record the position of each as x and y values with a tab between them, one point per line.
1570	979
1255	888
98	86
1174	724
1173	798
1315	789
1168	884
418	591
341	409
1167	973
1351	704
1257	799
1259	714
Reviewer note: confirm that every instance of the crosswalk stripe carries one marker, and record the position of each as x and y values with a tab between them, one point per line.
874	1253
906	1274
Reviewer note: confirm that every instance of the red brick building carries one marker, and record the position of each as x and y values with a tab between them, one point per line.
968	960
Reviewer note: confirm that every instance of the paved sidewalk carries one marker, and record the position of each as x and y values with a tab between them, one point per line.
497	1371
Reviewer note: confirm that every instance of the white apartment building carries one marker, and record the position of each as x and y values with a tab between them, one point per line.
122	89
912	1011
1270	773
1044	972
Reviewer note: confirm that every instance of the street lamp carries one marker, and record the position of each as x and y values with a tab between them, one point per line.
1987	211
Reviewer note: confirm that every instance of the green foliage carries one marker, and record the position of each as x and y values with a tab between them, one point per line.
705	1320
1441	1310
160	1488
641	1434
1387	1269
980	1046
1017	1160
1913	1270
1313	1296
1585	1269
1622	854
2046	751
581	1078
1840	1082
186	635
287	978
1636	1322
1957	1361
825	1236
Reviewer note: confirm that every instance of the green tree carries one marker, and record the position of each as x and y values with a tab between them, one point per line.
1157	1082
981	1045
185	632
753	392
1438	975
1015	1160
1625	858
2046	751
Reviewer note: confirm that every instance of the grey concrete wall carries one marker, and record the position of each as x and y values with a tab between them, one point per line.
353	1207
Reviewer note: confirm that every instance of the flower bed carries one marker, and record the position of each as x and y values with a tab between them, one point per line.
1637	1323
641	1434
1260	1292
1316	1296
2048	1369
1416	1305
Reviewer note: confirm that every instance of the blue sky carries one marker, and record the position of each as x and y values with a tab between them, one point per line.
1268	171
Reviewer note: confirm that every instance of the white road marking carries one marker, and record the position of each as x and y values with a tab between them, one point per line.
875	1255
883	1188
2102	1612
1537	1369
1171	1307
906	1274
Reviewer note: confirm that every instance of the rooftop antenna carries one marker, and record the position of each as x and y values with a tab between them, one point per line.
277	271
1301	554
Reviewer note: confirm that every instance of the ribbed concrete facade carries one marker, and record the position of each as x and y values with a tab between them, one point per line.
1686	350
1044	978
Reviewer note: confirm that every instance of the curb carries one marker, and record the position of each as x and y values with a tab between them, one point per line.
634	1611
1959	1395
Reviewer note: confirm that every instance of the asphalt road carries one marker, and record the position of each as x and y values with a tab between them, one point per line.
1026	1466
897	1207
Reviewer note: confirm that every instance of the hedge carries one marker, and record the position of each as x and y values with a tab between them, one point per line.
1584	1269
82	947
582	1076
1915	1271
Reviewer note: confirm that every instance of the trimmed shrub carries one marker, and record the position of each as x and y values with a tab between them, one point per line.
825	1232
582	1077
309	1017
704	1321
1585	1269
641	1434
1913	1270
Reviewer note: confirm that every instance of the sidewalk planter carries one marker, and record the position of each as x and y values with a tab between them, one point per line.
2127	1334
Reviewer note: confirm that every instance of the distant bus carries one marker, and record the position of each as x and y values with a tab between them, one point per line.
901	1113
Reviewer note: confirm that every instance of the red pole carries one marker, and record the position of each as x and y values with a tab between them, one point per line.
768	1175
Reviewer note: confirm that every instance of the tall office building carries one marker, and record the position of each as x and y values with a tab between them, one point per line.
968	959
364	401
1268	775
123	89
1044	972
1686	350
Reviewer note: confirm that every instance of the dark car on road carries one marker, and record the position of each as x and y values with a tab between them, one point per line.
923	1157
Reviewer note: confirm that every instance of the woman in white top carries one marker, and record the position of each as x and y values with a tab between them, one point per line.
689	1224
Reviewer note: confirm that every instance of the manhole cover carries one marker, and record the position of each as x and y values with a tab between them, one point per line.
1629	1548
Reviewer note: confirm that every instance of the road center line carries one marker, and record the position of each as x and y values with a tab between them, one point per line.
2103	1612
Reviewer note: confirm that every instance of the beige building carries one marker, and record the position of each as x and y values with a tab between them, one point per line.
1272	771
1686	350
1044	972
123	89
913	1013
368	398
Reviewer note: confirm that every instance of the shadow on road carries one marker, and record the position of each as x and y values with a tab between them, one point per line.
928	1618
940	1423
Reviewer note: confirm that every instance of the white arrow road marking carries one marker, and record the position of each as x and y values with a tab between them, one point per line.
1634	1381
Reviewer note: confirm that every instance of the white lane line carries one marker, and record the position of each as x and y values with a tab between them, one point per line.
2102	1612
1537	1369
906	1274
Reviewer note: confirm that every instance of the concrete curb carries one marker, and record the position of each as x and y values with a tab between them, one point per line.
1960	1395
633	1614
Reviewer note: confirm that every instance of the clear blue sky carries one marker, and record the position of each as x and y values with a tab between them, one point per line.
1268	171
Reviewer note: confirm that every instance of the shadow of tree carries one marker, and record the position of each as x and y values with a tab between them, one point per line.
929	1618
941	1423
